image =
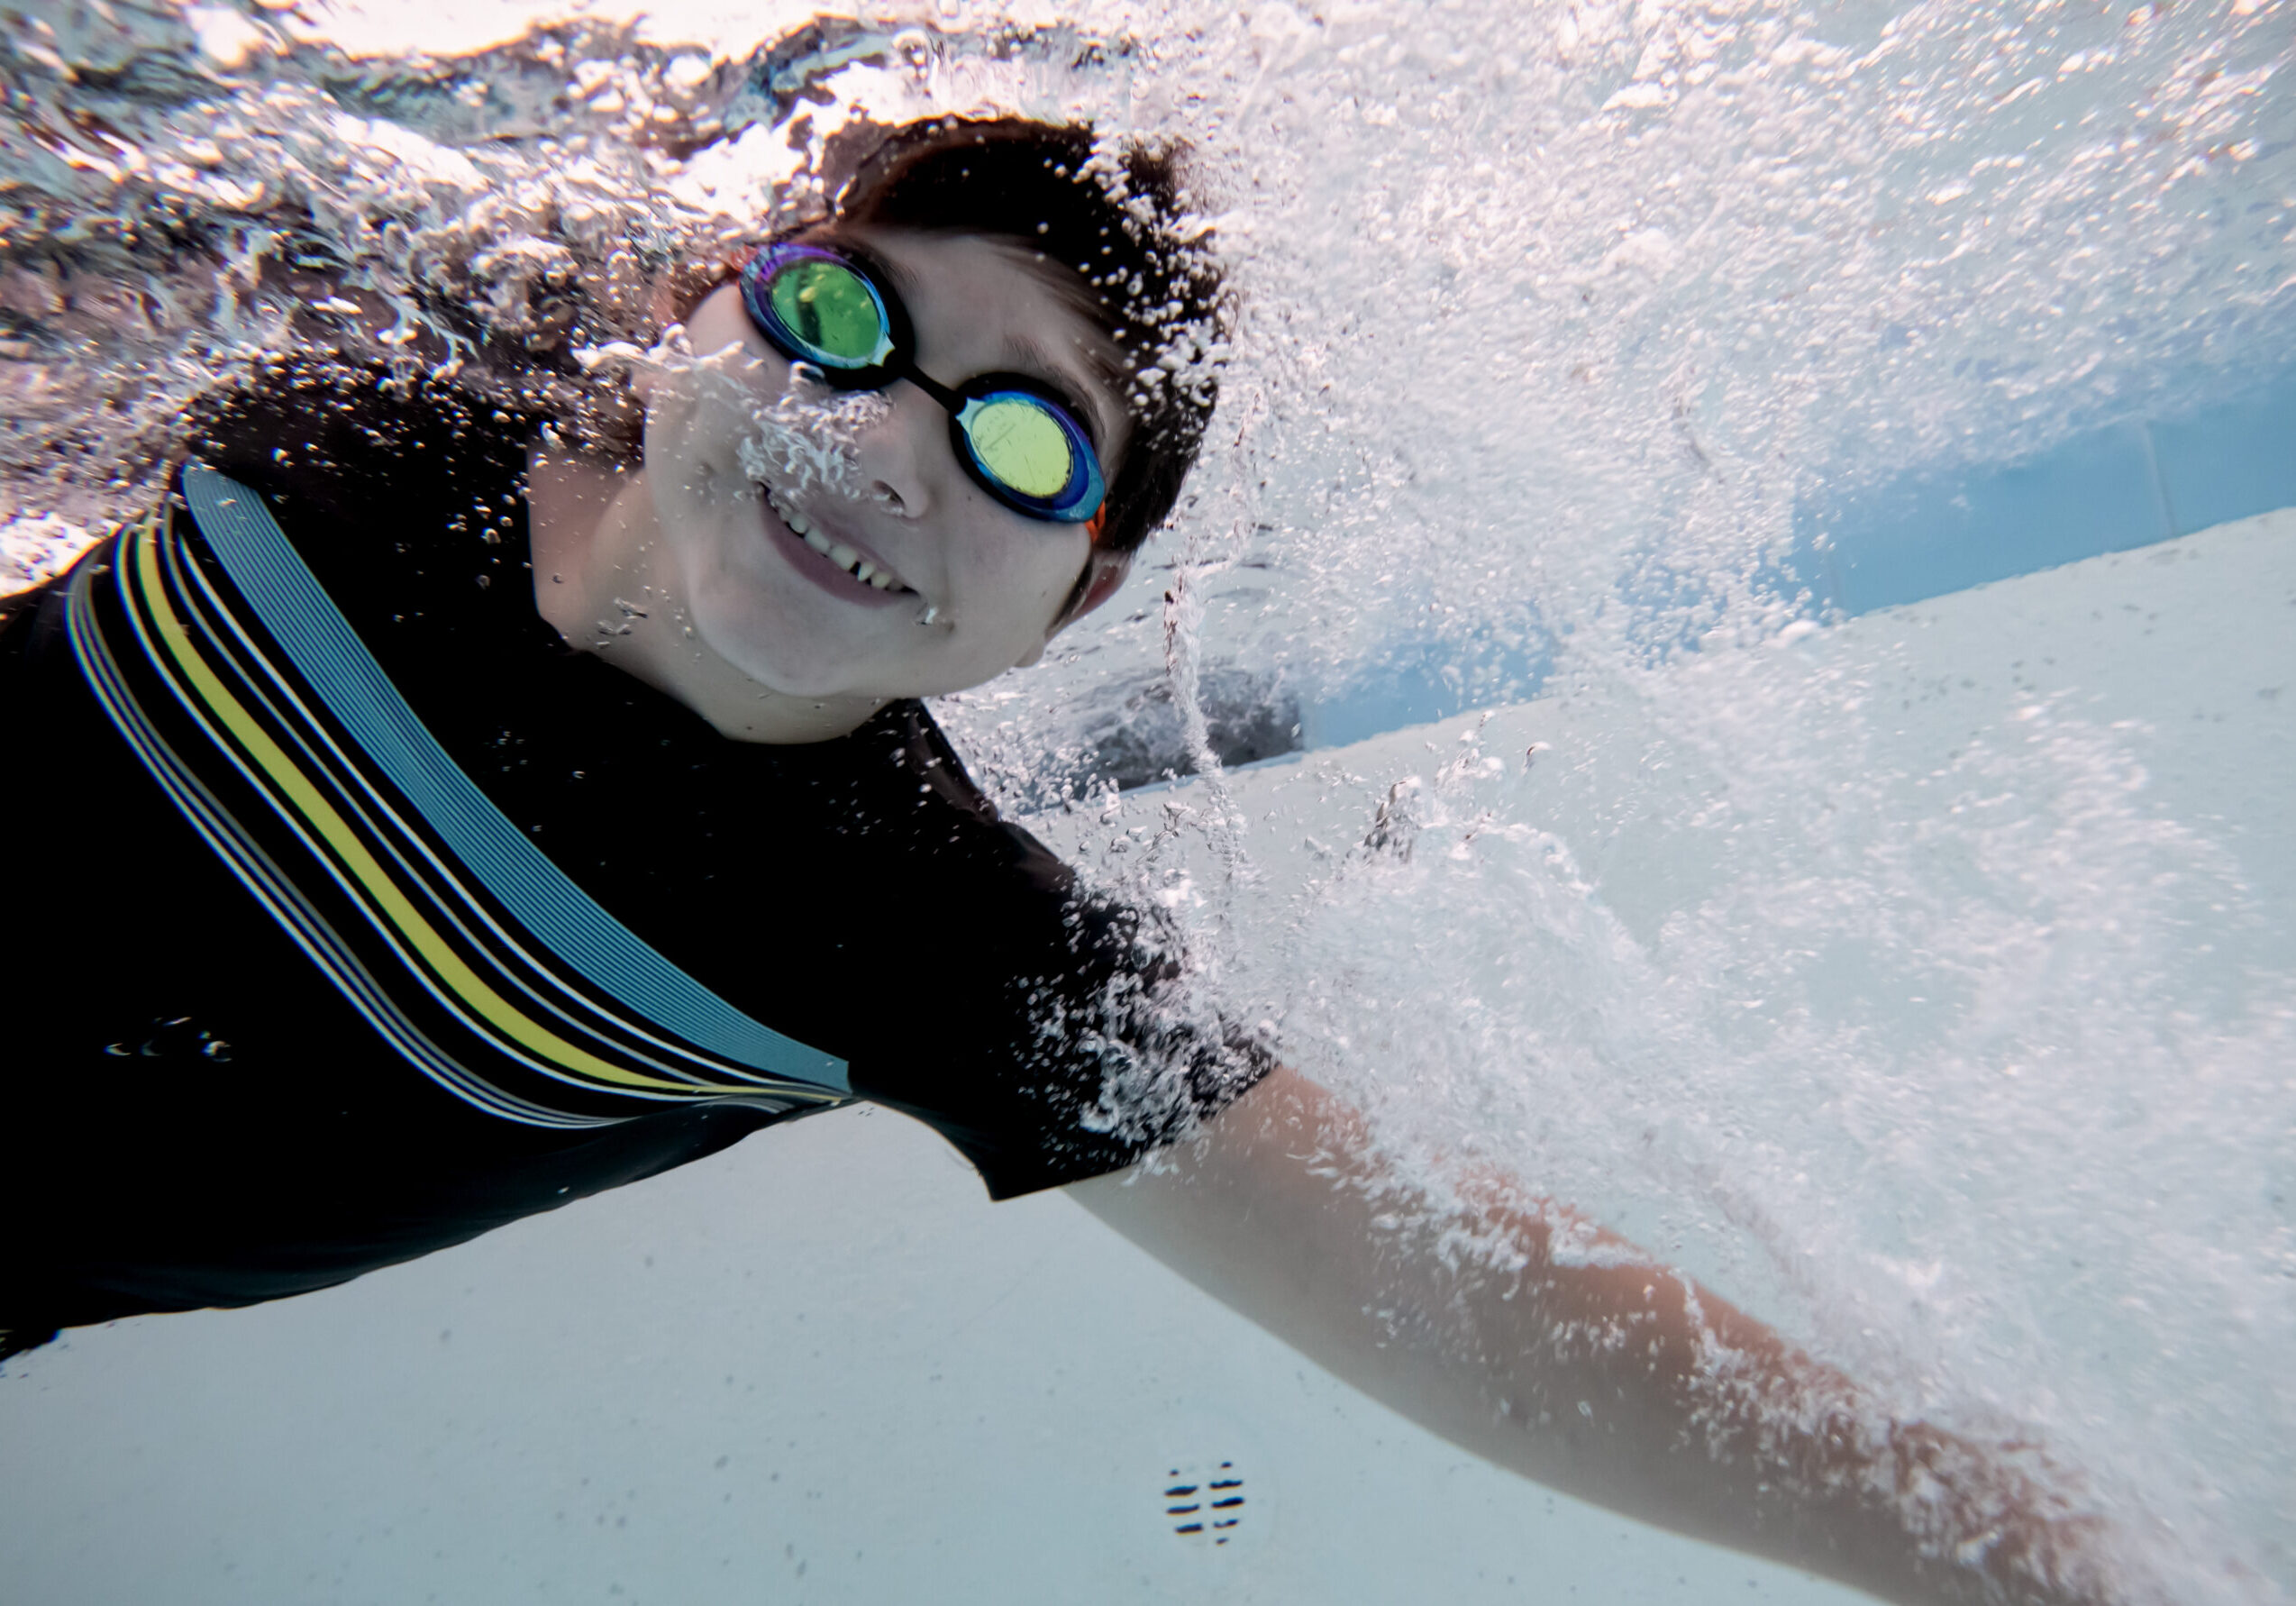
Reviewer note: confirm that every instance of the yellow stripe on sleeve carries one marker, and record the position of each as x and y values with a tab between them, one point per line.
447	967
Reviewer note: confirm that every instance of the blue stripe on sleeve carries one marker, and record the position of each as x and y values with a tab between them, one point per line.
296	610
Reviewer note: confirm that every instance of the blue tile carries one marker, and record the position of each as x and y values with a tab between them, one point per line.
2232	460
1419	682
1921	536
1924	536
1409	693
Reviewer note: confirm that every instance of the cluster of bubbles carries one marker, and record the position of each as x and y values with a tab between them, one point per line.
1549	328
1545	323
802	438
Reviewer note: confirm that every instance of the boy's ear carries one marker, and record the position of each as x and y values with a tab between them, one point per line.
1104	572
1103	575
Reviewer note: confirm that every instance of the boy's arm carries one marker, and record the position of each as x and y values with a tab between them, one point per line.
1561	1353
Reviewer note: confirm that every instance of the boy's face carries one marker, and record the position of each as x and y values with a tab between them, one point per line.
975	588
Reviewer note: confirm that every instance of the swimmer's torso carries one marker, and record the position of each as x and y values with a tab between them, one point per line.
206	1108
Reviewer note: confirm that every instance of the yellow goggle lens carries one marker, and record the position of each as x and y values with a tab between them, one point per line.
1022	446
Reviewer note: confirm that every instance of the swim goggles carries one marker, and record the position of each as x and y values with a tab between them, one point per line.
835	310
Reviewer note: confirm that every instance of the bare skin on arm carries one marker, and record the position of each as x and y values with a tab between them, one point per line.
1569	1357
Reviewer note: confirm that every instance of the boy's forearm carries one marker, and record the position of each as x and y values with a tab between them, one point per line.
1563	1355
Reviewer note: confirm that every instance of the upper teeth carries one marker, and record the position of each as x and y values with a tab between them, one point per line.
836	552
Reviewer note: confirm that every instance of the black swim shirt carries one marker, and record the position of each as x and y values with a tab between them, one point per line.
223	1085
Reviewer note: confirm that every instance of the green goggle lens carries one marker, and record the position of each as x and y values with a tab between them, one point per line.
830	312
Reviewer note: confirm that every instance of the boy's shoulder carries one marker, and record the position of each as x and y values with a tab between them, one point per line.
322	436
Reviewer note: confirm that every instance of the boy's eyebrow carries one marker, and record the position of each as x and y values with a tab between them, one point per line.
1026	354
906	284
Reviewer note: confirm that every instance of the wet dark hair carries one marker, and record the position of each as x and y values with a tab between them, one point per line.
1114	216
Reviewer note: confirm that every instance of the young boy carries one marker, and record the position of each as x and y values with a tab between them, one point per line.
466	816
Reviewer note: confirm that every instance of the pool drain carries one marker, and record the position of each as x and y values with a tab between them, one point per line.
1205	1504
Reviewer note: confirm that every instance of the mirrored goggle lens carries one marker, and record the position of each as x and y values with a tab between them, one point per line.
1033	454
824	310
1023	445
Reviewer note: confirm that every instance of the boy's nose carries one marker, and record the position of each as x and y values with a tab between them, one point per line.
897	455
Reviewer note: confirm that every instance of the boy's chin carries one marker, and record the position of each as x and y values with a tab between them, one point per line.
776	679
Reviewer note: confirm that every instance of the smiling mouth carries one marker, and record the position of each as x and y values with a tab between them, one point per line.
865	566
